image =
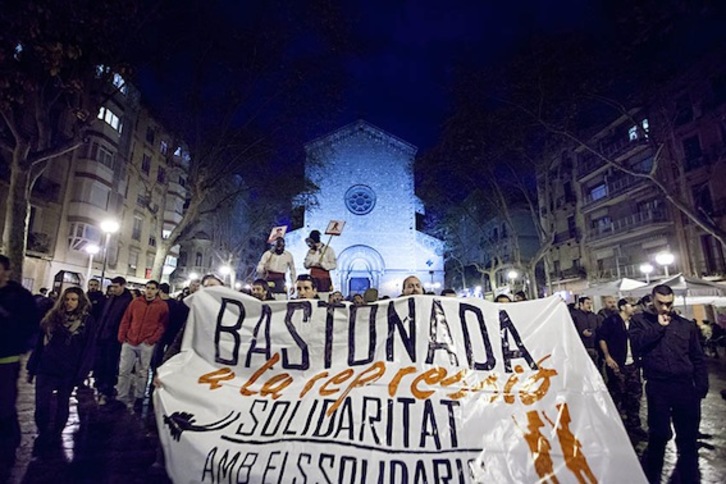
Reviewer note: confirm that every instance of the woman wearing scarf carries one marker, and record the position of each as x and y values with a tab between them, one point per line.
61	360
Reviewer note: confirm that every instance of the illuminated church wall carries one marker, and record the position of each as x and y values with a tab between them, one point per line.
365	176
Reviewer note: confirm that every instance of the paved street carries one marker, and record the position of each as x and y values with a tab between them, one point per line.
106	446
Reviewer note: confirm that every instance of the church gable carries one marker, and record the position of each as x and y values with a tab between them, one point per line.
360	128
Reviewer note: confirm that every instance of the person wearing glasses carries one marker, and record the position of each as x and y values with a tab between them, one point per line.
676	381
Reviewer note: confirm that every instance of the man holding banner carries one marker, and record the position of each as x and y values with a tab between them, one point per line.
414	389
320	260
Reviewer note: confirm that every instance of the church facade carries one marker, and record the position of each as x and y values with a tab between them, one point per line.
365	178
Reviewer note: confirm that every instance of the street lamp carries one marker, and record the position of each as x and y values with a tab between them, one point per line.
225	271
512	275
91	250
646	269
665	259
108	227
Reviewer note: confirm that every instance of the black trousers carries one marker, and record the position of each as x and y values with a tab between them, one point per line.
105	371
9	426
49	420
678	401
626	390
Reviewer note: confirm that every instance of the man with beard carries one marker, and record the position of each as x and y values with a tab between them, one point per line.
273	266
97	298
320	259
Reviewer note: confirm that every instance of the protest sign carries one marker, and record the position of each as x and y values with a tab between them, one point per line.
417	389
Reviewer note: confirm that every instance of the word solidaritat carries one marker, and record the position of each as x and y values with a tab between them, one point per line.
411	390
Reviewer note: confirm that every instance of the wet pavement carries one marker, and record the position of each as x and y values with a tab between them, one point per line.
113	445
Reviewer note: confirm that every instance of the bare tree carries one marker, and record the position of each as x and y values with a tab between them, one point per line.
56	73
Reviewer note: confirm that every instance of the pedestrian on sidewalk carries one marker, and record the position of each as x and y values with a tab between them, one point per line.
61	360
18	323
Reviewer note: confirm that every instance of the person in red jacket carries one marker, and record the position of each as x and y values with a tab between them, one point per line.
142	326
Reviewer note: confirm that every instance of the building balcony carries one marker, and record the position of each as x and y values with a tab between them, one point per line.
564	236
614	150
636	224
83	210
95	170
615	188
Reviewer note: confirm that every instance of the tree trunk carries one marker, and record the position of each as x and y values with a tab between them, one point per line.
17	216
162	250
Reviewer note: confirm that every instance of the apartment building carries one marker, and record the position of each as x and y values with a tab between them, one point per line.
129	170
608	223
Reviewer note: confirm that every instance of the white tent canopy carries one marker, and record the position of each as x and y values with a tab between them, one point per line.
682	286
615	288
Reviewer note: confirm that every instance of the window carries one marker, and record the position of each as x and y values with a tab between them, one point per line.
504	231
182	258
138	226
120	83
152	241
81	234
718	86
170	261
133	261
165	234
602	224
150	135
105	157
692	152
161	175
702	200
635	134
599	192
182	181
141	200
684	110
198	259
164	147
110	118
571	226
146	163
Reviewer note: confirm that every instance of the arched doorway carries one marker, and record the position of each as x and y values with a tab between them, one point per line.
359	268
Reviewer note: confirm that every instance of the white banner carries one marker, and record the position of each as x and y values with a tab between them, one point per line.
411	390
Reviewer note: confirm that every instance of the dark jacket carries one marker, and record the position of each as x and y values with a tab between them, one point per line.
98	301
178	312
65	355
669	353
18	319
111	316
586	320
613	332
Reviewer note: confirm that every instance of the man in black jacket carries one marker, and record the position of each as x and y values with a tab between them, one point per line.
676	381
18	322
621	366
587	324
108	349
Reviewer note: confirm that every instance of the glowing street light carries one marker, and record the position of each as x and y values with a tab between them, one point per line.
108	227
665	259
512	275
646	269
91	250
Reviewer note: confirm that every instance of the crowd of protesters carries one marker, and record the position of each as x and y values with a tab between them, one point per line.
119	338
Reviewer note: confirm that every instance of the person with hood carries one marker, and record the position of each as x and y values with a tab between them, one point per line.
320	260
18	323
62	358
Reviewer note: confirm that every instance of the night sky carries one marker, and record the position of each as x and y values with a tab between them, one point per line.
396	62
